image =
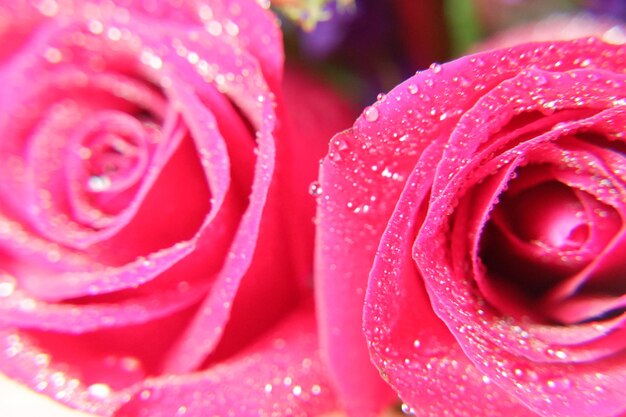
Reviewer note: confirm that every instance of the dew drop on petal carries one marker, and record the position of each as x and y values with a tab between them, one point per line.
406	409
7	285
540	80
435	67
99	183
371	114
315	189
99	390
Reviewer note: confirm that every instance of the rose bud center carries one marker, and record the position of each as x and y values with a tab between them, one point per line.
540	245
548	215
113	161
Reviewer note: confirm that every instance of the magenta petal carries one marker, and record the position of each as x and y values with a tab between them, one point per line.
579	308
490	113
257	31
244	24
465	309
342	247
280	375
19	309
414	350
169	264
201	335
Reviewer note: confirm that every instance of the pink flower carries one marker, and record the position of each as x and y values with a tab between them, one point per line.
146	166
473	223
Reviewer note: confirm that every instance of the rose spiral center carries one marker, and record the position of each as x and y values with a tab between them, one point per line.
548	215
544	247
113	162
112	152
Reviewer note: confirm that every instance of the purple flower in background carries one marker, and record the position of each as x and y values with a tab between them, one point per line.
615	8
375	43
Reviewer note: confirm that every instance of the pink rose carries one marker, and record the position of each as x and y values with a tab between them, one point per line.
146	169
472	222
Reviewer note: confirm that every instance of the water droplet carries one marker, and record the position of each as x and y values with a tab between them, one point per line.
53	55
371	114
28	304
619	102
341	144
99	183
114	34
130	364
48	8
150	59
540	79
315	189
231	28
413	89
337	146
558	385
7	285
214	28
96	27
99	390
435	67
550	105
478	62
464	82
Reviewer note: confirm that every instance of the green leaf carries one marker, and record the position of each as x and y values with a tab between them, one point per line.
463	25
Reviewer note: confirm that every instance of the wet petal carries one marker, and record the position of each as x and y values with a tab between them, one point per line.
280	375
471	112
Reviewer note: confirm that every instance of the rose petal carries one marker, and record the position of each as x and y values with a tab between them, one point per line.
280	375
201	336
432	263
243	23
407	115
366	169
417	353
92	371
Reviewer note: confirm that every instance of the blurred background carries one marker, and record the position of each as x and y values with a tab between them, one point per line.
367	46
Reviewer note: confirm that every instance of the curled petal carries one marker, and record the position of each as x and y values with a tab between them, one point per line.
280	375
